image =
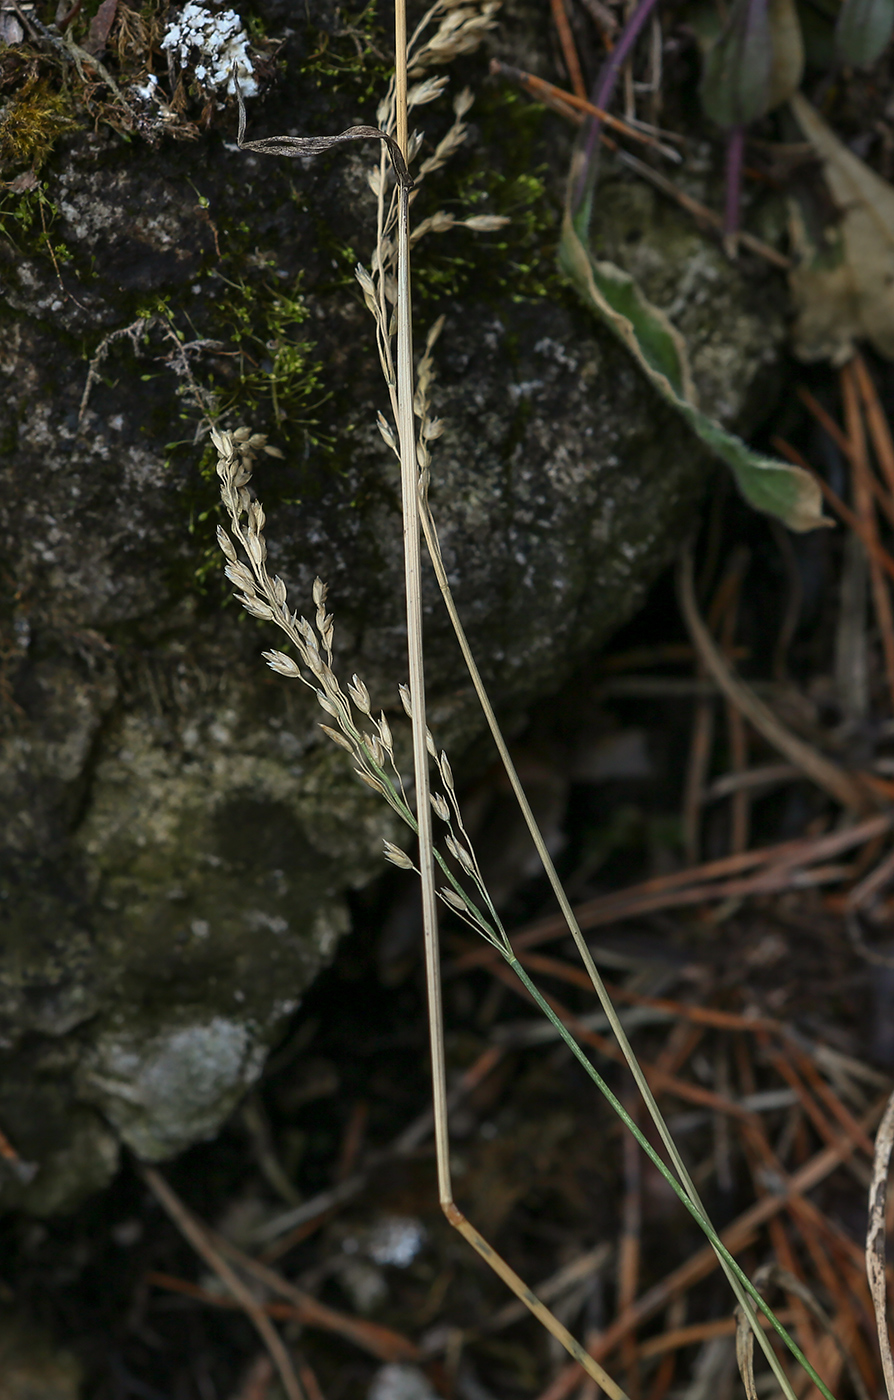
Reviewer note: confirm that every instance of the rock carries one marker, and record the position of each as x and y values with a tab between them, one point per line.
32	1367
177	834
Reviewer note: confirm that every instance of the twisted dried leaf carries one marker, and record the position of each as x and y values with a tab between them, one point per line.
298	146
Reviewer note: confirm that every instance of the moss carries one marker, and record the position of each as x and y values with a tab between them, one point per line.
350	56
32	122
275	367
513	180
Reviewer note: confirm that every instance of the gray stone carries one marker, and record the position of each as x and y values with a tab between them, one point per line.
32	1367
177	835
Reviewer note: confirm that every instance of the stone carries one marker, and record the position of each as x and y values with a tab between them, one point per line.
177	834
32	1367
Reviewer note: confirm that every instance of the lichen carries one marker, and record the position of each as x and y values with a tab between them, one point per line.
167	1090
215	46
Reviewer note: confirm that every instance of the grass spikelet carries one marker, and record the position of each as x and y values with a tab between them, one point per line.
397	856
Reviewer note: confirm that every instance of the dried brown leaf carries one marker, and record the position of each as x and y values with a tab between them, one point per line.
846	295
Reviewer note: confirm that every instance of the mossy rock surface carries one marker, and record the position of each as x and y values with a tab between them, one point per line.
177	836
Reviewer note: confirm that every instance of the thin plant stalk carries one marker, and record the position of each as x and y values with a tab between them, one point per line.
413	583
738	1279
412	571
602	96
735	153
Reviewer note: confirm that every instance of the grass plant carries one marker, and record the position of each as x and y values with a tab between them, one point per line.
445	30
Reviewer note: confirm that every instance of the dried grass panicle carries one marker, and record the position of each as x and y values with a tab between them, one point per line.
447	29
373	751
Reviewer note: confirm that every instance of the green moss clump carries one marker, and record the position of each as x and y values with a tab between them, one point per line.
354	58
519	261
31	124
275	365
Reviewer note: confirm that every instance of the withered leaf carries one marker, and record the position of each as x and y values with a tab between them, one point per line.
315	145
846	291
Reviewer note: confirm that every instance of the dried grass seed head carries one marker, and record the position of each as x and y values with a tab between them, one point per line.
441	222
258	609
226	544
337	738
374	180
397	856
455	901
327	705
374	748
485	223
282	664
388	434
385	734
371	781
257	549
462	102
366	282
460	853
359	694
426	91
241	576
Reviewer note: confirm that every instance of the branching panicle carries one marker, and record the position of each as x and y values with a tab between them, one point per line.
372	751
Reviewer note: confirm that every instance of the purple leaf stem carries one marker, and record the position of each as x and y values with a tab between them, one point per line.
603	91
735	152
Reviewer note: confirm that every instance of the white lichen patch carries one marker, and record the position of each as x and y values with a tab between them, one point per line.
215	46
167	1090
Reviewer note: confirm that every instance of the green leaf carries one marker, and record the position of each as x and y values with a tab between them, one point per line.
769	485
863	30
